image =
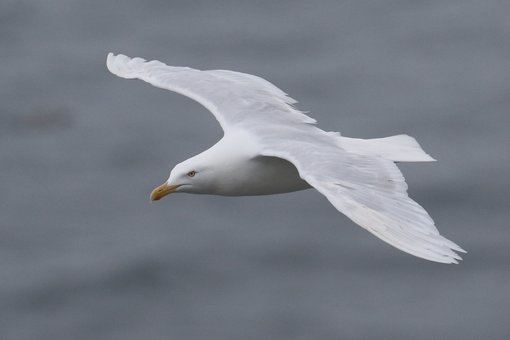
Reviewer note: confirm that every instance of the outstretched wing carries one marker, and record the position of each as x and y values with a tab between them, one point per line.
369	189
234	98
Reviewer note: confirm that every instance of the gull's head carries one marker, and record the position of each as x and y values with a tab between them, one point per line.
223	169
191	176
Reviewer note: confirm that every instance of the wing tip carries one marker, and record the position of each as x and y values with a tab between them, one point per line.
455	259
446	254
111	62
123	66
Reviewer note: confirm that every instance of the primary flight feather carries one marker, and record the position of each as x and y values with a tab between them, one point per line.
270	147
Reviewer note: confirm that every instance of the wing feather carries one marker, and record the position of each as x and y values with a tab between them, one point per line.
234	98
370	190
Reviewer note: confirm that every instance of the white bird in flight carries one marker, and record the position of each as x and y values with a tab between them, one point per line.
270	147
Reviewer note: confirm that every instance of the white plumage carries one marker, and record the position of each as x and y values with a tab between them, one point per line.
271	147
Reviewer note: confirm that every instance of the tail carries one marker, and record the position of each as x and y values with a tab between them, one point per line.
399	148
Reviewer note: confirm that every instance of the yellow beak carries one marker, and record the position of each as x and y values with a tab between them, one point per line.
163	190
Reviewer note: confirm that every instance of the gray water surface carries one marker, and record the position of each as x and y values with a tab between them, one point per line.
85	255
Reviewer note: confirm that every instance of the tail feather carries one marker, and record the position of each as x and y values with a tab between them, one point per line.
399	148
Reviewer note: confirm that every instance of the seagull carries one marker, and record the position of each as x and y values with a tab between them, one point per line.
270	147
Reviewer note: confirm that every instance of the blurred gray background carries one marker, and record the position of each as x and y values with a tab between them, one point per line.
85	255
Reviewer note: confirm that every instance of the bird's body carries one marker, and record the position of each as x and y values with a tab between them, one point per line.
240	171
269	147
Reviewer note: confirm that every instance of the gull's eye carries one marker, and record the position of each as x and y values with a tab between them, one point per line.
192	173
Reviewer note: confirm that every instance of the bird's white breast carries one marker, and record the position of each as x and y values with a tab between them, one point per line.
241	171
264	176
